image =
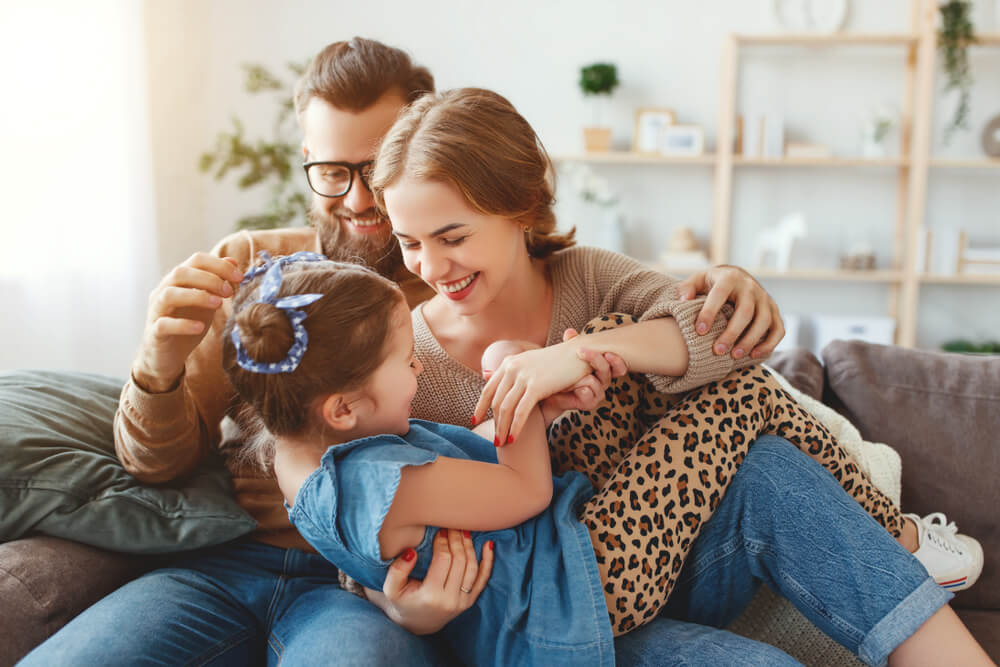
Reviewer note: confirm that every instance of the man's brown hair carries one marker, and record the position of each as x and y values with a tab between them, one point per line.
353	75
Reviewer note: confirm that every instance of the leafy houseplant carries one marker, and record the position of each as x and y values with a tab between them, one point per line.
598	80
954	38
262	162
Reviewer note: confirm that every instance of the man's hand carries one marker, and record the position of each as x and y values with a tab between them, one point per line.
180	312
755	328
423	607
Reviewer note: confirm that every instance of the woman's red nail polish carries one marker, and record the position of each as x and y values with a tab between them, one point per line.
409	555
510	439
474	420
467	534
443	532
491	545
496	441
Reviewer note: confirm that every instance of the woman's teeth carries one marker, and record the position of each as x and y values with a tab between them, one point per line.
461	284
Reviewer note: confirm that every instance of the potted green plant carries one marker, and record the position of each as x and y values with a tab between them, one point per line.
265	162
598	81
954	38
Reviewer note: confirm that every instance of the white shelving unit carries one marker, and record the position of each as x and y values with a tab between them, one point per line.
913	166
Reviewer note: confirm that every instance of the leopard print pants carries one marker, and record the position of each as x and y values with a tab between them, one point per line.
662	468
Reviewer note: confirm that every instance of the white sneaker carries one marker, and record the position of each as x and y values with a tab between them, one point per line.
954	560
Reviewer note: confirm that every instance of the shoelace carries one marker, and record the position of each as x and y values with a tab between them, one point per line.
942	532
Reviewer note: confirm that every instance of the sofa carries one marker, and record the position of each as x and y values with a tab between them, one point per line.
940	412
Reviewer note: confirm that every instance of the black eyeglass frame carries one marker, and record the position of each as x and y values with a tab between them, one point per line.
351	168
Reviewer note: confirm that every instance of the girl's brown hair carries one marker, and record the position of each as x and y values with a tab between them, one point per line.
476	141
347	330
353	75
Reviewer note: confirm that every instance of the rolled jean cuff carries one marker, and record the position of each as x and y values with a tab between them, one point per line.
900	623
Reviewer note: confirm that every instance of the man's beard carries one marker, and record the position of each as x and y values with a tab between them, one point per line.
339	245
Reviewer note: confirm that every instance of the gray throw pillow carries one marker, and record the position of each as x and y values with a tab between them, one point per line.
59	474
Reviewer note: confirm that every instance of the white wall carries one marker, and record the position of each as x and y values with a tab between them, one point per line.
667	54
77	250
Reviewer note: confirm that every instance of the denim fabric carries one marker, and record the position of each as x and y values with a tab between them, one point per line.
543	605
244	603
787	522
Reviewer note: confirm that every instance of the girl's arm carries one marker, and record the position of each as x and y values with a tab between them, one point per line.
476	495
655	346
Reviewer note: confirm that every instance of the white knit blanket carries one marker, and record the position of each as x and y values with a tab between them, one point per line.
772	619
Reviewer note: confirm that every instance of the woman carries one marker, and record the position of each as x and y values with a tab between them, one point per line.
463	179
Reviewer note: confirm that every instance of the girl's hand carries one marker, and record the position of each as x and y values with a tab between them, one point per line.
424	607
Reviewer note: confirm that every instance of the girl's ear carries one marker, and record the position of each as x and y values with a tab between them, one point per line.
336	411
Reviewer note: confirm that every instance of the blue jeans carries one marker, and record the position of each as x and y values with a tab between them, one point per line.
786	522
242	603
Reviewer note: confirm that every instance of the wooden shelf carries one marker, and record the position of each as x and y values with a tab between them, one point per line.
961	279
830	275
628	157
832	39
819	162
965	163
987	39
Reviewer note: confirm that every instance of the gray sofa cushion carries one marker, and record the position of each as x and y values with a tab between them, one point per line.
46	581
941	412
59	474
801	369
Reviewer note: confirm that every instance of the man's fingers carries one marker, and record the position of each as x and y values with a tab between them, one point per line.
774	337
223	267
690	287
754	334
164	327
741	319
716	298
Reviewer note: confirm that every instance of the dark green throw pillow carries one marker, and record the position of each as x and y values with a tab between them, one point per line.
59	474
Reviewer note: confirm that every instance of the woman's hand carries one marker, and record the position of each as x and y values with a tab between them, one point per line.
756	322
424	607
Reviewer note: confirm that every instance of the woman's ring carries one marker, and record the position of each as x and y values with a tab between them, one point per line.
464	589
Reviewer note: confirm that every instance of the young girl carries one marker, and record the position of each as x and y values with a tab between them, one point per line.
324	352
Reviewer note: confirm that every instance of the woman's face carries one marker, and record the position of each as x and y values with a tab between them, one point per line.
468	257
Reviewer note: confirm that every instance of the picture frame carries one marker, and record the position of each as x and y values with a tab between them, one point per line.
682	140
649	125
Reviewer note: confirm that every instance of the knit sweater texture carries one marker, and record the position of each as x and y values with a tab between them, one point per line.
586	283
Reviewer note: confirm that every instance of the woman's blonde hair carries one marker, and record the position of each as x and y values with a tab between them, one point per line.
476	141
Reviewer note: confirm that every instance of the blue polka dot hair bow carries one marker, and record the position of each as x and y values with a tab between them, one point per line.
267	293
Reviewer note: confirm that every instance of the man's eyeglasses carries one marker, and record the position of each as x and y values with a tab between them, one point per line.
334	179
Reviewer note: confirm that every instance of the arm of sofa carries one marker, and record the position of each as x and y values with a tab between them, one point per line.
46	581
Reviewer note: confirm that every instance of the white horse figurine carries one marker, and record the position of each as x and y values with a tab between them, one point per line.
779	240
